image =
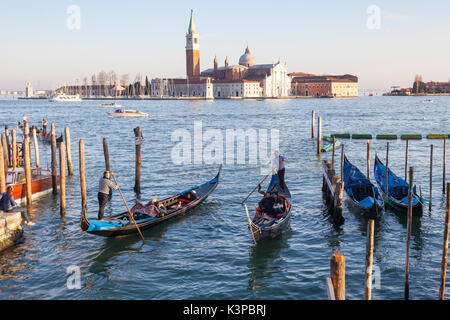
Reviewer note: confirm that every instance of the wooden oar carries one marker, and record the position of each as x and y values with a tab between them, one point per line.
255	188
129	211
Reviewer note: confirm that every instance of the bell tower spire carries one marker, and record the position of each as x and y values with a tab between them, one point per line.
192	50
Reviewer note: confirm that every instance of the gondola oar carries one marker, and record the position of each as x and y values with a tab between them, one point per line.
255	188
129	211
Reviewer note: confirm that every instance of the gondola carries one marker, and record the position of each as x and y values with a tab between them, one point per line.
398	189
263	226
47	137
363	195
178	205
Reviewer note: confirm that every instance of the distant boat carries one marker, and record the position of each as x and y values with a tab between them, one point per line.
66	98
427	101
370	94
109	105
127	114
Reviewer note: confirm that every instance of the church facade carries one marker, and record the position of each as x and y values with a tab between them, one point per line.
243	80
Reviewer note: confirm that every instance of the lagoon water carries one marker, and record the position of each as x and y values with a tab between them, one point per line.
209	253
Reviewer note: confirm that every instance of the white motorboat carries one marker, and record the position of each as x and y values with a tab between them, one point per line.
127	114
66	98
109	105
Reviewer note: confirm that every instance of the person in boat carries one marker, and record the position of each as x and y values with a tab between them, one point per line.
267	202
281	169
44	125
7	202
24	119
105	186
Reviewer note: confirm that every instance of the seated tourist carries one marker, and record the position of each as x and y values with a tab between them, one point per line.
7	202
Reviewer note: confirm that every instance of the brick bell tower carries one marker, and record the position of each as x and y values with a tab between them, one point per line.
192	50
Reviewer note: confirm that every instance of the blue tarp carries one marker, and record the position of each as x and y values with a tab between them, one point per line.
398	188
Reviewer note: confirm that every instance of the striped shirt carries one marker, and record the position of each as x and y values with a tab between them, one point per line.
105	185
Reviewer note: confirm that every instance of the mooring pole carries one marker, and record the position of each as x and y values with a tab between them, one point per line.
337	271
8	146
54	163
369	260
443	168
82	176
62	178
36	148
431	177
408	230
342	163
27	166
138	144
2	173
5	153
313	122
319	136
68	152
14	149
106	154
406	159
386	186
368	159
445	246
334	151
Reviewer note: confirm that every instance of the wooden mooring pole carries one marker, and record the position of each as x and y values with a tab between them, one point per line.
342	162
337	273
36	148
445	246
68	152
369	260
5	153
408	230
54	163
14	148
106	154
406	159
431	177
368	159
8	145
82	176
313	122
443	167
2	173
334	152
138	144
386	180
62	178
27	166
319	136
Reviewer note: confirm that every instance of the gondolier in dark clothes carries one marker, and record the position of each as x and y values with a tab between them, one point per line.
44	125
104	188
281	169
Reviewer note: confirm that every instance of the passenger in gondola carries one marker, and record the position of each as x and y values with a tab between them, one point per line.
267	202
281	168
105	186
7	202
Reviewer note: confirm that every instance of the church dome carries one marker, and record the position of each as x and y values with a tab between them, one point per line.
247	59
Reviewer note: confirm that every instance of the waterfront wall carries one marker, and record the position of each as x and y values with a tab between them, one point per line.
10	229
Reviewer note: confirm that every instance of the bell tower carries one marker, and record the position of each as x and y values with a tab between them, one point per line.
192	50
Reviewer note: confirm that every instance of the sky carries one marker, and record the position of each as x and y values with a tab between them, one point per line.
385	46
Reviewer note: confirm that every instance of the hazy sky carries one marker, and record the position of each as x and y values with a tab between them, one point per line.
148	37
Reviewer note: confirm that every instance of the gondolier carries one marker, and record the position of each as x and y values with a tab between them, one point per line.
105	186
44	125
280	168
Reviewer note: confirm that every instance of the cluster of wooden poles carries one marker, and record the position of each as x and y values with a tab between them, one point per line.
336	281
10	157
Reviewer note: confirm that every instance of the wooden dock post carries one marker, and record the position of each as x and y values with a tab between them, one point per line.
8	145
406	159
27	167
106	154
368	159
342	162
5	153
443	167
445	246
54	163
313	122
36	148
337	273
2	173
69	152
369	260
431	177
82	176
386	180
408	230
138	144
319	136
62	178
334	152
14	148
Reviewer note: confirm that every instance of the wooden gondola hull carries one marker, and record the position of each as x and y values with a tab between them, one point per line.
272	231
203	192
417	210
373	212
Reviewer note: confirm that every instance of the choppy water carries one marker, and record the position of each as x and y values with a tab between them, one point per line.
209	254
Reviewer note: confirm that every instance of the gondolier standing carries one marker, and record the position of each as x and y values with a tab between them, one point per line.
281	169
105	186
44	125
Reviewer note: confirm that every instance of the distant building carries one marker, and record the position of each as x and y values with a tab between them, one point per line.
28	90
437	87
304	84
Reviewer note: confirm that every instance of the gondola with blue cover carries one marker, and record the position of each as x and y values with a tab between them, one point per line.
121	224
364	195
263	226
397	198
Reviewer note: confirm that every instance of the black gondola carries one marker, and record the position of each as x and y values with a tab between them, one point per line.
397	198
263	227
120	224
363	195
47	137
